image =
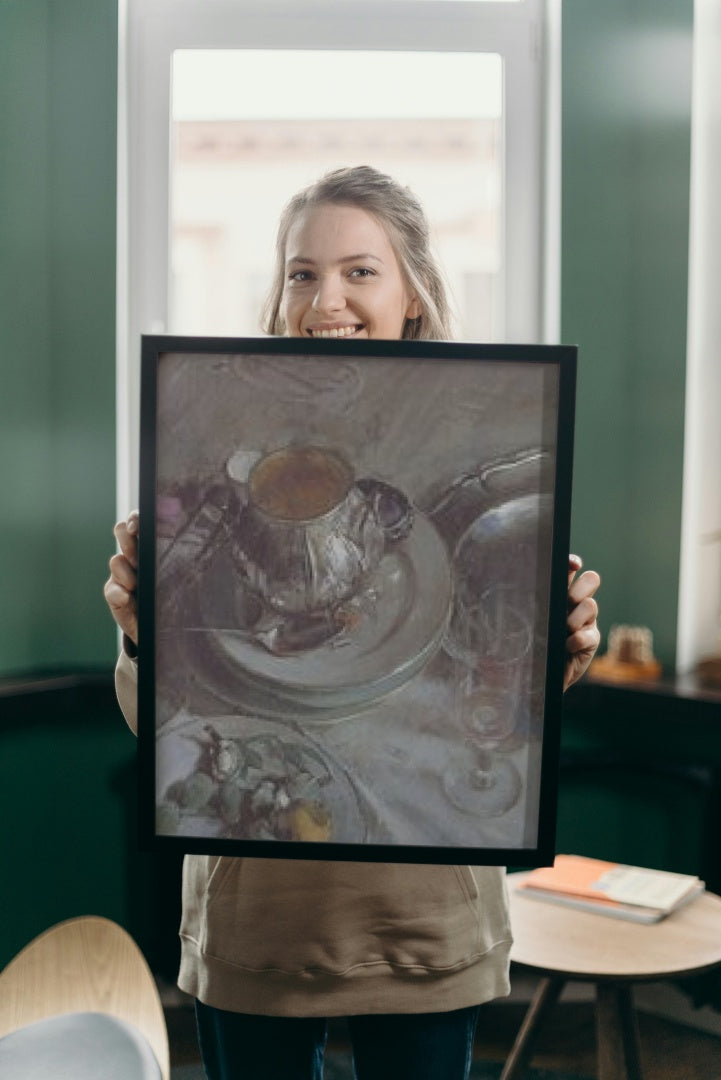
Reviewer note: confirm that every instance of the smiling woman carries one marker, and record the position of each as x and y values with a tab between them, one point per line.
271	947
353	260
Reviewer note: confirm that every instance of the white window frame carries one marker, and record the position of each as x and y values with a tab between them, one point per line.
699	596
526	34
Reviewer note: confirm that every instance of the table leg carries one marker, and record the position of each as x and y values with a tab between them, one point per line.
545	997
617	1033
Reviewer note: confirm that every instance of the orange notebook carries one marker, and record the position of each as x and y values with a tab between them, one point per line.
631	892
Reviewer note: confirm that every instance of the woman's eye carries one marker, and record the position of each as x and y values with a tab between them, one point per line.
362	272
300	276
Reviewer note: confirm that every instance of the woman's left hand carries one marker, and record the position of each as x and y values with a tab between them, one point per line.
582	633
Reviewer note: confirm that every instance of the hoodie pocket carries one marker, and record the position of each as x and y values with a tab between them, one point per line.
202	874
294	916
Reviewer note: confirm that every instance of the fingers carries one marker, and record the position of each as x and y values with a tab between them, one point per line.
582	607
120	601
583	613
585	641
121	587
581	629
575	562
123	607
123	572
126	534
582	587
582	634
581	646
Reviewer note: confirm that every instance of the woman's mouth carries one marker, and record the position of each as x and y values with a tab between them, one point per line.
335	331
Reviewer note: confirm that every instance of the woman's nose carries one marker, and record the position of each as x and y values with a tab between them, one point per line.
329	295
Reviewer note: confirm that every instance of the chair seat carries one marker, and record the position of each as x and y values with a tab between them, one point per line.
78	1046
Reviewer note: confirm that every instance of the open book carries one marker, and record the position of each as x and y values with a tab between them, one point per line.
608	888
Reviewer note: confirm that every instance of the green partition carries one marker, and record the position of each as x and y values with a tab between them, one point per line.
67	762
626	167
68	788
58	77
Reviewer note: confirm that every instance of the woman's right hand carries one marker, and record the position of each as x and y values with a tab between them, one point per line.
121	587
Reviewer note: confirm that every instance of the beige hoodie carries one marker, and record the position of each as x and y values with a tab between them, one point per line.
286	937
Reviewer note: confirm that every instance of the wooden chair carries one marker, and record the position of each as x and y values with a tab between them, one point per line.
564	944
80	975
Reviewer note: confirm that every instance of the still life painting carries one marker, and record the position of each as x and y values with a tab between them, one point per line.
352	596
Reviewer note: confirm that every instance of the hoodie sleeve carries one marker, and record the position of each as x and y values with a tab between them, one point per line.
126	688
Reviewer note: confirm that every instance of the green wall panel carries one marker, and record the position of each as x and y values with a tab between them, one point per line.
58	76
68	789
67	844
641	780
626	147
26	482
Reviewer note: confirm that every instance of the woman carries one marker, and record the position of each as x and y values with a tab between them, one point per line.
271	948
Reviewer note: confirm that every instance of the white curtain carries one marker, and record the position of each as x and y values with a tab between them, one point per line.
700	583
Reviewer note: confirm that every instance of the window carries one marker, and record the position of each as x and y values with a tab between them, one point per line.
227	107
236	160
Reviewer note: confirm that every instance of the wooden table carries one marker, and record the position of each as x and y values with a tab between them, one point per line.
563	944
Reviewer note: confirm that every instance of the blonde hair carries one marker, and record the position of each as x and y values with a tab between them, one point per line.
403	217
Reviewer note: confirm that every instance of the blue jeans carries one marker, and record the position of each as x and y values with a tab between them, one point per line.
414	1046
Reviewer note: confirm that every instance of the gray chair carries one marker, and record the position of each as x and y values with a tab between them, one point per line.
80	1002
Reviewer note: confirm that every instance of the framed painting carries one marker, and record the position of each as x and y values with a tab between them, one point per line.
352	597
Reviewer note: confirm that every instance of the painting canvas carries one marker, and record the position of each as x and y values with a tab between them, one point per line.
352	596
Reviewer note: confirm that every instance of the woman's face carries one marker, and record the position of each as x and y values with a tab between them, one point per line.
342	277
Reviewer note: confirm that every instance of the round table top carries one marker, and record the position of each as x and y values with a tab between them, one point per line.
559	940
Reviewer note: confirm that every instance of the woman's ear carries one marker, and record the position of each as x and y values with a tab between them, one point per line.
415	309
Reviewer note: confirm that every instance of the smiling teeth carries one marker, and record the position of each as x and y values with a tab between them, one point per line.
339	331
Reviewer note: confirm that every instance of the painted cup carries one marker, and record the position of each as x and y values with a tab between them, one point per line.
310	532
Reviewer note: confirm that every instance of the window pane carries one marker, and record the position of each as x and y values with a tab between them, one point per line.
252	127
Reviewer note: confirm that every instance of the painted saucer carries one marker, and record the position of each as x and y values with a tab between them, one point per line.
392	627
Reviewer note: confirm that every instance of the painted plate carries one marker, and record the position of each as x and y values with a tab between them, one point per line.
243	777
392	627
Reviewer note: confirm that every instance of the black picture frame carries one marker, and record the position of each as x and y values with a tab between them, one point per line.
353	562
